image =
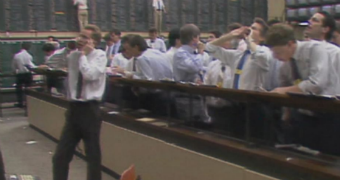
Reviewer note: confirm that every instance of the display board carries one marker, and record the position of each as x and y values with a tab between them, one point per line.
127	15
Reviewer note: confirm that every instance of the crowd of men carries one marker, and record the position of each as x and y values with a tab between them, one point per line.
262	57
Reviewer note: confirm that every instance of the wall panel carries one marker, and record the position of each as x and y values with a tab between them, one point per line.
127	15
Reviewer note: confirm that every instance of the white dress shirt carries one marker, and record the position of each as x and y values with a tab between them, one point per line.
152	65
157	44
216	77
272	78
108	51
93	69
58	59
214	74
158	4
187	64
82	4
119	60
170	55
254	69
21	59
314	66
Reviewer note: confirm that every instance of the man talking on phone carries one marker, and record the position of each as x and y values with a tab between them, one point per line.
85	88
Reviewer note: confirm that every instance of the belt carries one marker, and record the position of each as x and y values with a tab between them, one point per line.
84	102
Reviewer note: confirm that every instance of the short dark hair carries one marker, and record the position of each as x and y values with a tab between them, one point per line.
152	30
216	33
72	45
26	45
48	47
97	37
53	38
263	25
328	21
272	22
116	32
188	32
121	49
135	40
174	34
107	37
233	26
93	28
279	35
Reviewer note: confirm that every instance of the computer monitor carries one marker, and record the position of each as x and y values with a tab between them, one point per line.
329	1
302	2
337	10
291	14
303	13
315	2
291	3
328	8
313	10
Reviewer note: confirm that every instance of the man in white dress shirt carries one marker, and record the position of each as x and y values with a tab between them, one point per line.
82	12
148	64
175	43
159	8
154	42
321	28
20	62
248	70
86	85
307	69
249	67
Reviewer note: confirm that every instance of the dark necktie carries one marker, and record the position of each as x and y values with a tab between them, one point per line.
239	68
295	71
159	5
79	85
134	65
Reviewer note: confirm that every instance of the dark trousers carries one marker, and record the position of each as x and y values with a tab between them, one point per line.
320	131
23	80
2	168
55	82
83	122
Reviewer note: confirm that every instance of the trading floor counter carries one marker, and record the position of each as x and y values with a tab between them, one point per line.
162	149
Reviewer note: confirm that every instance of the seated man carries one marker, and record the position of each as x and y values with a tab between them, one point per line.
188	67
148	64
154	42
121	59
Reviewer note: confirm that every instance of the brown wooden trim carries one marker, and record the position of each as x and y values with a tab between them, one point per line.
319	167
319	105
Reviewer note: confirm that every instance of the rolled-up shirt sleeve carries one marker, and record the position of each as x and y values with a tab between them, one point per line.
225	55
319	69
92	70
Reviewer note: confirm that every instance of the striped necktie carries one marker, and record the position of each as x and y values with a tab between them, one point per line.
239	68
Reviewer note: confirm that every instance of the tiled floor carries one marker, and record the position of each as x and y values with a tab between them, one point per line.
31	159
